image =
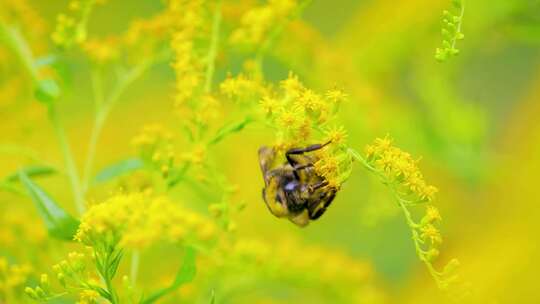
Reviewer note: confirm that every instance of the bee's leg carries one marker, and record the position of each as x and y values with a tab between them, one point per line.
297	151
318	185
317	209
298	167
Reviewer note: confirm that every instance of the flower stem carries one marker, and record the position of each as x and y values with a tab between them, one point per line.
134	270
408	217
458	29
212	51
69	162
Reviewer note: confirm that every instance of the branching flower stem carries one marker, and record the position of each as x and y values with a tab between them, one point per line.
403	204
103	109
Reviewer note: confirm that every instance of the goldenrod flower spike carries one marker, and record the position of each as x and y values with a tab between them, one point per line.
399	171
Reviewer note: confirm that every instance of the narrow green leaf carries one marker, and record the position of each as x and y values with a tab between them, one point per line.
114	263
32	171
117	169
102	292
230	129
47	91
59	223
185	274
213	297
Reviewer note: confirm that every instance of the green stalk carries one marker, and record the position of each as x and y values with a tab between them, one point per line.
15	41
211	58
458	29
134	269
69	162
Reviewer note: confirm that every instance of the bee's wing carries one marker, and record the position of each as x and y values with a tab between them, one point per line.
266	159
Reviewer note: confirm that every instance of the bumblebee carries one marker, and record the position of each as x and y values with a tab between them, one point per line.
293	190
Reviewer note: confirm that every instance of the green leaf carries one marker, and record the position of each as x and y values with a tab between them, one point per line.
117	169
47	91
213	297
230	129
114	263
32	171
59	223
185	274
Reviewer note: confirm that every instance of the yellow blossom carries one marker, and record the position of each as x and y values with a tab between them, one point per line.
256	24
88	296
432	214
429	232
240	87
187	64
71	28
336	135
270	105
336	96
292	86
102	51
399	166
310	101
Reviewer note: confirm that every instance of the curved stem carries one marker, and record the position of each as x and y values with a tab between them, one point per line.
402	203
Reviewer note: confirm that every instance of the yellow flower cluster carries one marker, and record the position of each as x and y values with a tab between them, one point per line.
346	276
298	111
144	39
333	162
73	274
71	28
399	167
12	277
138	220
154	143
23	15
102	51
187	64
241	88
298	114
257	23
40	292
400	172
71	269
88	296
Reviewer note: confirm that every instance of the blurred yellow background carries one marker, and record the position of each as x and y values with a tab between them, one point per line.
473	120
